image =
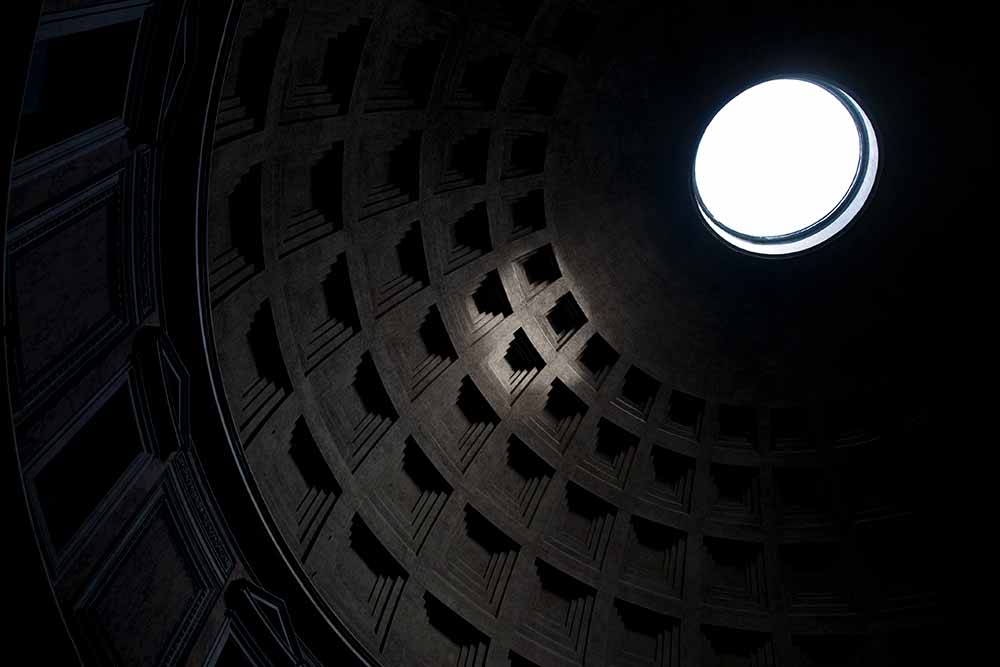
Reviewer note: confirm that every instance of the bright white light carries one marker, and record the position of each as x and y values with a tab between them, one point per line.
779	157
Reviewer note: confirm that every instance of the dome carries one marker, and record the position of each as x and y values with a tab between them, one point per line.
485	333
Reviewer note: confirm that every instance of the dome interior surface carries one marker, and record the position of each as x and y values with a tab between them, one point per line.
391	333
534	379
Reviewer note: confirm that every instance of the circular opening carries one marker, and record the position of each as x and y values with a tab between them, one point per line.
784	166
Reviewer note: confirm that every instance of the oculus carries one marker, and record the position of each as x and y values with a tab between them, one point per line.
784	166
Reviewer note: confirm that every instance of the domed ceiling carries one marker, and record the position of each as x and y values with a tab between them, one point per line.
504	395
391	333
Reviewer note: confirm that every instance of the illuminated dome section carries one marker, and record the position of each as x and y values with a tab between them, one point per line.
784	166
